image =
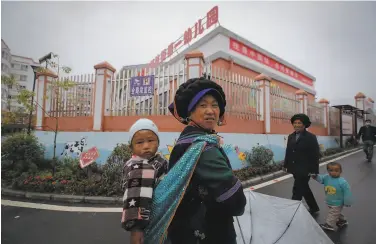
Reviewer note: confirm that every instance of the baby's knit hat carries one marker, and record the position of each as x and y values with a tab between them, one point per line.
142	124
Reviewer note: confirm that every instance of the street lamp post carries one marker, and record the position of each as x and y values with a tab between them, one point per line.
34	67
45	58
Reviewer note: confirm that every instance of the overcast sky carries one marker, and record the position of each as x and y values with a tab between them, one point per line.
335	42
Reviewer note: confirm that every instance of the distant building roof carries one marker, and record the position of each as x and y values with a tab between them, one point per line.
3	42
18	56
222	30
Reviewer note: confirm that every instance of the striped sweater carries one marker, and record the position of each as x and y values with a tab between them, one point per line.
140	176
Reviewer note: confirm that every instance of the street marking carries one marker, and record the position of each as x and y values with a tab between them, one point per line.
58	207
119	210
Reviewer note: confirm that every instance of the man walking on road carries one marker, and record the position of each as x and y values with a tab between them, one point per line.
368	134
302	160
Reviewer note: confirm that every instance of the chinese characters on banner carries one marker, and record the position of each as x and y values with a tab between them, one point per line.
261	58
142	86
189	35
88	157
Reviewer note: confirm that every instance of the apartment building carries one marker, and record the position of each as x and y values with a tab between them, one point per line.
20	68
6	58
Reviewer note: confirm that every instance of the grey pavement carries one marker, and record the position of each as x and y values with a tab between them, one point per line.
361	176
33	226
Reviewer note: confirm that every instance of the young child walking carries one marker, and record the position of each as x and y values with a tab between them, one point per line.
141	174
338	195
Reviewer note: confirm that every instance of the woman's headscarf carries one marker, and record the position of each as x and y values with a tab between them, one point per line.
191	92
302	117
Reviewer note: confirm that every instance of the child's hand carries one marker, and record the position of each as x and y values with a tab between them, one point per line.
137	237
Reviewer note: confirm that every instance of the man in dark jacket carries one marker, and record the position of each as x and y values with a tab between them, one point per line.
368	134
302	159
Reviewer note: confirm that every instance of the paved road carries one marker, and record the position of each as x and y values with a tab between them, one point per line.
35	226
362	216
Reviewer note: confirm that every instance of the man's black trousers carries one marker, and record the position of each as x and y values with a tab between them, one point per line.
301	189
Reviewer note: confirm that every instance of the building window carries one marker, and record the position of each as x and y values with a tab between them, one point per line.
23	78
16	66
22	87
10	86
3	54
24	67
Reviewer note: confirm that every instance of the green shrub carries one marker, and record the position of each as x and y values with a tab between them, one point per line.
112	171
332	151
260	156
249	172
69	168
40	183
21	152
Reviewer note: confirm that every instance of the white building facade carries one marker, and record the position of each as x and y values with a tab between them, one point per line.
6	58
20	68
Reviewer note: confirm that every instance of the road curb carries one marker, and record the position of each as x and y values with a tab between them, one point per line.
102	200
118	200
68	198
37	196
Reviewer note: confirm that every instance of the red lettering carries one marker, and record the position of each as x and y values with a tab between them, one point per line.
212	17
151	64
157	60
170	50
163	55
188	36
178	44
199	29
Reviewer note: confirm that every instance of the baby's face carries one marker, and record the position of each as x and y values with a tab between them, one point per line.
334	171
145	144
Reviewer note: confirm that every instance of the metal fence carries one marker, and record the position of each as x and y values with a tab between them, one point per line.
241	91
166	81
242	95
283	105
76	100
315	112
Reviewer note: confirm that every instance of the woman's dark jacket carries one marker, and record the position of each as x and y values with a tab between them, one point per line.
302	154
213	197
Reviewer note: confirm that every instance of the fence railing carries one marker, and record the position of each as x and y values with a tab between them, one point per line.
315	112
166	80
74	101
241	92
245	100
283	105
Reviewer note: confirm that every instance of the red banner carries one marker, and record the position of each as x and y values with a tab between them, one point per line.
88	157
265	60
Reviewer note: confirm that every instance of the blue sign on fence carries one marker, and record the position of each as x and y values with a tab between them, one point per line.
142	86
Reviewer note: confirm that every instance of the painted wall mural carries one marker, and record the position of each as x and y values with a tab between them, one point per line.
72	144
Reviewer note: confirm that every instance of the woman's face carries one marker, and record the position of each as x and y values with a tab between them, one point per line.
206	113
298	125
